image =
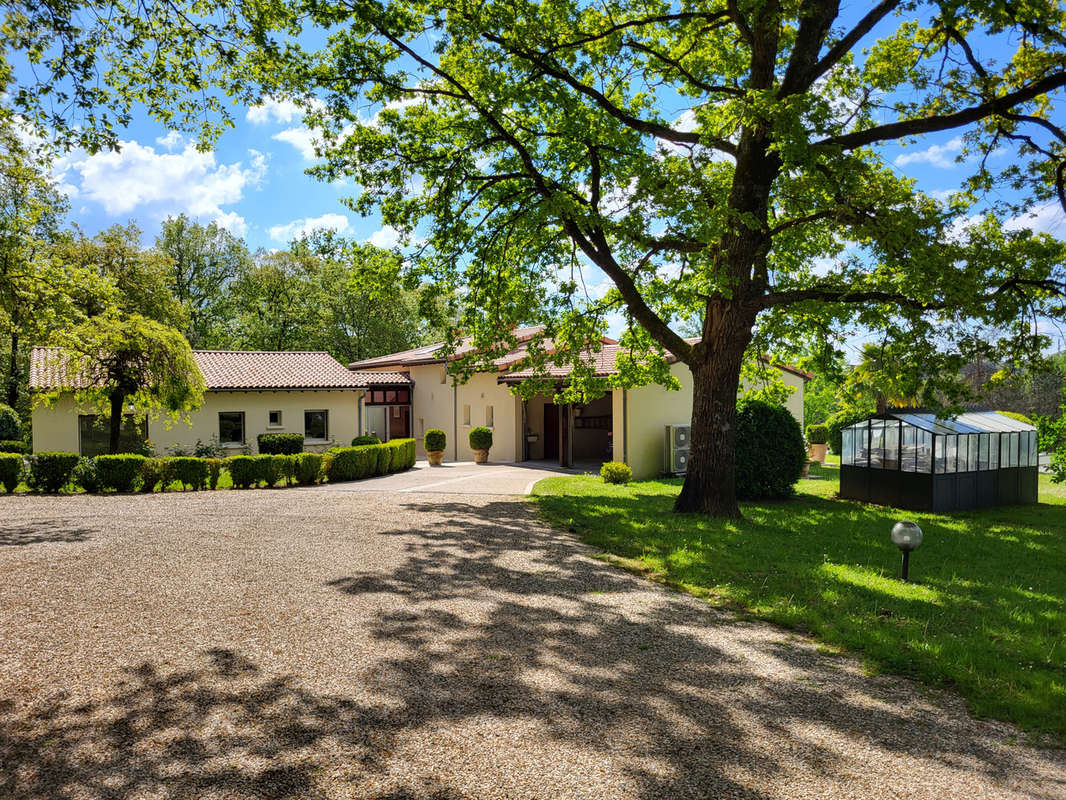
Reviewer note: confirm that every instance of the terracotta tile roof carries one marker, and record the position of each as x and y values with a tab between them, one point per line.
236	370
427	354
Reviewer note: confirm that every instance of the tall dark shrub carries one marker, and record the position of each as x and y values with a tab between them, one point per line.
119	472
10	470
50	472
287	444
770	452
10	424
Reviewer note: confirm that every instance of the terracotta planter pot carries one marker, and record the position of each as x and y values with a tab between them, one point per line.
435	457
816	452
481	456
806	469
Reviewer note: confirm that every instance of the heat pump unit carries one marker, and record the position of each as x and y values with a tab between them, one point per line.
677	448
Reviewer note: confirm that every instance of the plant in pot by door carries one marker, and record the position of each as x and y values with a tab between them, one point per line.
435	441
817	436
481	443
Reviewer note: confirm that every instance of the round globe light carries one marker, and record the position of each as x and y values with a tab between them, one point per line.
906	536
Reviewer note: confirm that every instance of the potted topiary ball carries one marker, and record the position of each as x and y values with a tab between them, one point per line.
435	441
481	443
817	437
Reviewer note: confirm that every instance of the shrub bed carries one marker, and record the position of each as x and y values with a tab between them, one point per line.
118	472
50	472
154	471
244	470
269	469
382	458
350	463
616	472
189	471
308	468
770	453
10	471
361	440
289	444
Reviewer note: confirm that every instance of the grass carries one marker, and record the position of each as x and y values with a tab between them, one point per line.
986	612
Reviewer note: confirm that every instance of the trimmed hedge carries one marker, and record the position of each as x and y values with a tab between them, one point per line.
836	424
308	468
818	433
435	439
87	477
50	472
287	465
189	471
403	454
616	472
289	444
10	471
361	440
244	470
363	461
10	424
269	469
14	446
214	470
154	471
118	472
770	452
480	438
383	459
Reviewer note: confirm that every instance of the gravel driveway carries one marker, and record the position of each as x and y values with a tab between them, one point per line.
286	644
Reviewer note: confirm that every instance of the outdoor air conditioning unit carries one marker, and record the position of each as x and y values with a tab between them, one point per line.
677	447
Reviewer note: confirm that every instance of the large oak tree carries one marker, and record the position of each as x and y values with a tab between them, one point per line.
718	161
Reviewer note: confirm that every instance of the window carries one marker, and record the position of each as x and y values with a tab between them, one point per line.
963	452
909	448
1034	451
389	397
316	424
94	434
231	427
952	445
273	419
972	454
877	443
489	417
924	454
847	450
993	451
466	415
982	457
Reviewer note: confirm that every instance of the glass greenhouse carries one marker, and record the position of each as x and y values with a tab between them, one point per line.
911	459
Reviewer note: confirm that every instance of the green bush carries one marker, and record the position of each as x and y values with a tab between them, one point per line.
616	472
280	443
361	440
119	472
214	470
50	472
86	476
268	470
154	471
287	464
481	438
840	420
244	470
1016	416
434	440
818	434
13	446
10	425
189	471
383	458
770	453
10	471
403	454
308	468
350	463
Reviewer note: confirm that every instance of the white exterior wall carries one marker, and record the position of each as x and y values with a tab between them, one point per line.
56	428
649	409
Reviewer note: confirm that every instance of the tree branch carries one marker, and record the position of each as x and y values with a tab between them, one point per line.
852	37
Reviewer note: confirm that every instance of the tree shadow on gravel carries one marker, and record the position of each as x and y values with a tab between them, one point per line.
19	534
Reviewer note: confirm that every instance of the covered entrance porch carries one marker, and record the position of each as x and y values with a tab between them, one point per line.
569	434
386	412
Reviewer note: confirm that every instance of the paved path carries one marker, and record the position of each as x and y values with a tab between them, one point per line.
389	646
460	477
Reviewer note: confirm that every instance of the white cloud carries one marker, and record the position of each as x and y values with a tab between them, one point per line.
136	176
172	140
937	155
303	139
1047	218
303	227
232	222
387	237
271	110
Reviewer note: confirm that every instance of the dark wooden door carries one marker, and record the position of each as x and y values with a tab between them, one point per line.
551	432
399	422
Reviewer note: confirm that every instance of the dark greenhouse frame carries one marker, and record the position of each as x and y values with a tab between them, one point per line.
911	459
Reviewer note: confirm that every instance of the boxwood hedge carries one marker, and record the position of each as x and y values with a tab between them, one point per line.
10	471
51	471
280	443
308	468
13	446
119	472
189	471
244	470
361	440
154	471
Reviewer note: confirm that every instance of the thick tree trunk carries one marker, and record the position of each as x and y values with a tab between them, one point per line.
118	400
710	481
13	371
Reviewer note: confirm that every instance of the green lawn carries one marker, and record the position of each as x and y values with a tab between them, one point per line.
986	612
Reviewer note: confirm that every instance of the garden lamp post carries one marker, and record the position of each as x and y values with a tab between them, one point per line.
906	536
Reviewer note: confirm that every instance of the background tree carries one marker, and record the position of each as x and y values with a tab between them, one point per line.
113	361
204	260
533	140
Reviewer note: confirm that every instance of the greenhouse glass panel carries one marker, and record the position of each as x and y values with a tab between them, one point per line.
924	452
908	450
1004	450
940	445
982	451
963	452
1023	450
951	453
1034	450
847	447
877	443
891	456
971	459
1014	437
993	451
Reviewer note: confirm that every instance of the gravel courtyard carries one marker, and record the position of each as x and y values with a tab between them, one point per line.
318	644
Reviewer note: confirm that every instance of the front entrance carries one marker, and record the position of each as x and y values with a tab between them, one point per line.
399	422
570	434
551	432
388	413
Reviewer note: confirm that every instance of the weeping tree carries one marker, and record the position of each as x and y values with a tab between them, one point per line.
722	162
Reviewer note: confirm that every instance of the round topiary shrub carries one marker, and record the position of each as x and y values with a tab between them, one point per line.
481	438
10	471
770	453
818	433
362	440
616	472
10	425
435	440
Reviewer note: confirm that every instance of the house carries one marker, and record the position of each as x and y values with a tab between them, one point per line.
248	393
624	425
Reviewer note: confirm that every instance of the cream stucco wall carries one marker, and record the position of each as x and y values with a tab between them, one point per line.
56	428
650	409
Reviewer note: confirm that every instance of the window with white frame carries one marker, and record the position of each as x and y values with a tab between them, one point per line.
274	419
